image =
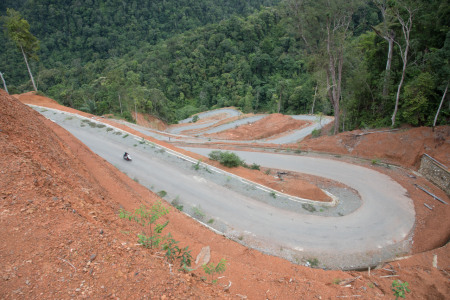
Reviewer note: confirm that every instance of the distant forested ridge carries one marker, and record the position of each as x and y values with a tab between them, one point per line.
175	58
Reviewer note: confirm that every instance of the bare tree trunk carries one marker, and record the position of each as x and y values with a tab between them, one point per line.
29	70
4	82
406	28
135	110
280	99
440	105
334	91
397	97
314	100
387	76
120	103
389	36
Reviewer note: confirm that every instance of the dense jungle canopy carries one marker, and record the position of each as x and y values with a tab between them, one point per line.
370	63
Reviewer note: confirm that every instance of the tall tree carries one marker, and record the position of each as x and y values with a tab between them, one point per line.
324	27
404	13
388	34
18	30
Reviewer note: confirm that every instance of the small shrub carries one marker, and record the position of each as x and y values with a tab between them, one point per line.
273	194
162	193
268	172
211	269
101	125
312	262
210	221
173	252
400	289
142	141
255	167
109	129
197	166
308	207
171	248
147	217
198	212
316	133
176	203
185	259
375	162
136	179
228	159
126	135
195	119
118	133
215	155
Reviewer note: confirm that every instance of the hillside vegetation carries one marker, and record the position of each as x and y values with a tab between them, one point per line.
176	58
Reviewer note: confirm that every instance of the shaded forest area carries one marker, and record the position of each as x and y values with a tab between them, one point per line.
370	63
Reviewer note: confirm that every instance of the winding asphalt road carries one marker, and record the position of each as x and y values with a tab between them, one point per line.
377	231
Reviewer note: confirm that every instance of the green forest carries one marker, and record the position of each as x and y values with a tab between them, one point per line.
370	64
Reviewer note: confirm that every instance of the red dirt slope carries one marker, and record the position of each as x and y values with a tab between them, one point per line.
404	146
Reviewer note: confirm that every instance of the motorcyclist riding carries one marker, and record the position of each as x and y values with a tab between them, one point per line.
126	156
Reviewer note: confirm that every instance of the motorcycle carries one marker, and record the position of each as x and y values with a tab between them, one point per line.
127	157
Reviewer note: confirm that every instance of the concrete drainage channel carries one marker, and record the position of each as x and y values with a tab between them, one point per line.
205	174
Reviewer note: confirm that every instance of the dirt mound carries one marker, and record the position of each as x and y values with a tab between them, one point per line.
404	147
274	124
61	237
150	121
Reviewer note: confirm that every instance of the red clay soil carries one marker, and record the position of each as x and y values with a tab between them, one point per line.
404	146
269	126
149	121
62	238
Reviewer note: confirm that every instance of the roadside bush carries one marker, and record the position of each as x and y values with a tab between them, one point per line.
215	155
228	159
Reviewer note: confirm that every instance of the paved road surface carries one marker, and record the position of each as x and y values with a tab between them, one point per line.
368	234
